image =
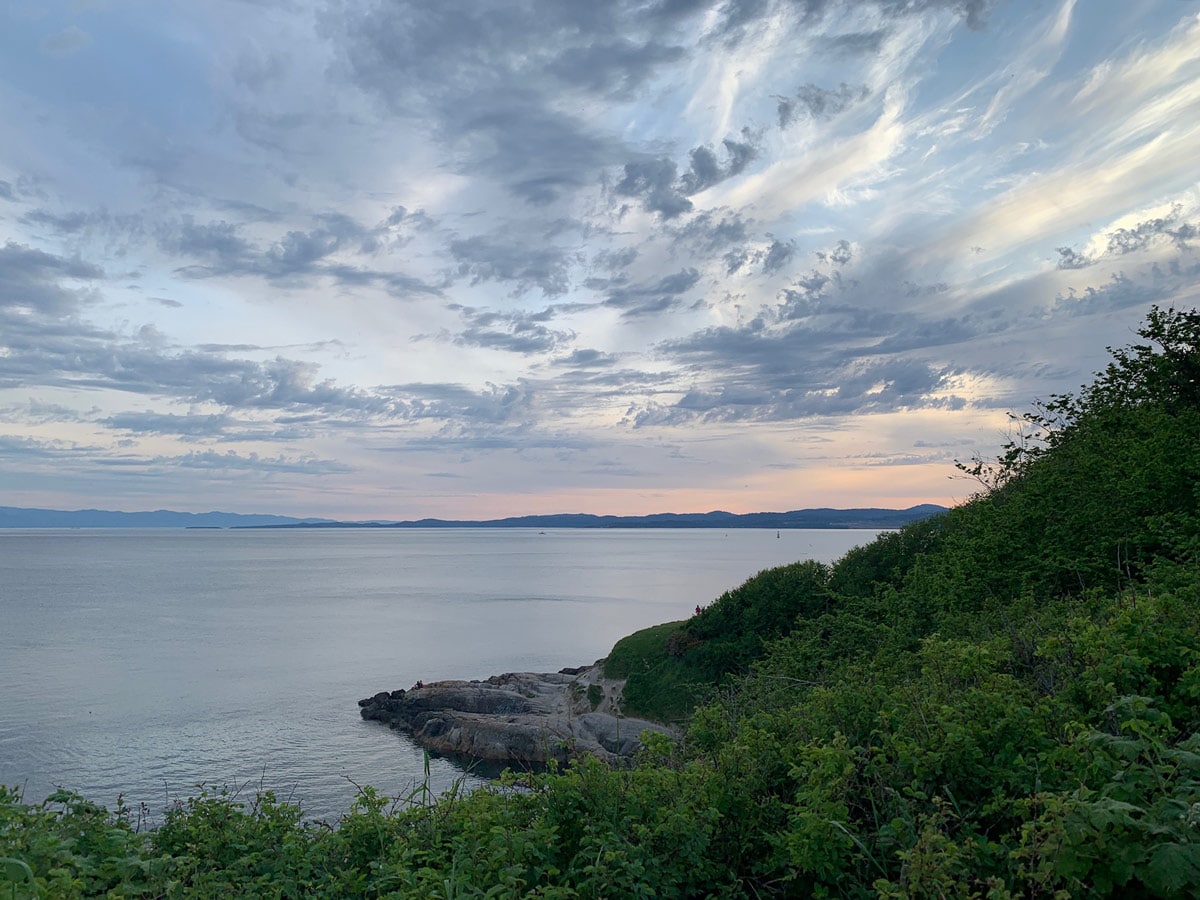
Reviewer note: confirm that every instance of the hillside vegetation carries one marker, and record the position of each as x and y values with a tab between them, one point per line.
1001	701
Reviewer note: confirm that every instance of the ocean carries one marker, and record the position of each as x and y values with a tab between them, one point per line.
145	663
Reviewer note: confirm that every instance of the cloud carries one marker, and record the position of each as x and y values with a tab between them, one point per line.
778	255
1143	234
1070	259
587	358
296	256
67	42
252	462
31	279
819	103
492	86
711	231
523	261
459	405
612	66
841	254
655	181
202	427
1160	231
653	297
216	242
520	332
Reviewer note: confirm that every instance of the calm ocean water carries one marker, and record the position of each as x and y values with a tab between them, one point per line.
147	662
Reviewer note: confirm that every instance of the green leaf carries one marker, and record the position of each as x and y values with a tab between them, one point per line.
1172	868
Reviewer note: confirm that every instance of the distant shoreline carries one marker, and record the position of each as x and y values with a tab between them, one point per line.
823	518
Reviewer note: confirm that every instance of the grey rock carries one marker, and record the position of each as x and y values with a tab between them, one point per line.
522	718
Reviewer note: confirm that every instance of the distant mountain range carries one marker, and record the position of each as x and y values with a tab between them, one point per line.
15	517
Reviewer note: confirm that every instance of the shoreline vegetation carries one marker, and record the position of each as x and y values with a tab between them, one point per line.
999	701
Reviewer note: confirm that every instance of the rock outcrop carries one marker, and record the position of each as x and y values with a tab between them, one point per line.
521	718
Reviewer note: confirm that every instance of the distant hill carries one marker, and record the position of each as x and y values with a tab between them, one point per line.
797	518
15	517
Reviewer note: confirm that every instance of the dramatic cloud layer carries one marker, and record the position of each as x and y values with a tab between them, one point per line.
396	258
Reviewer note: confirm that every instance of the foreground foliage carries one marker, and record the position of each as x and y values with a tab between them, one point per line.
1002	701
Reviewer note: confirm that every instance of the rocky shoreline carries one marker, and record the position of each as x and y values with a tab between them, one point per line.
521	718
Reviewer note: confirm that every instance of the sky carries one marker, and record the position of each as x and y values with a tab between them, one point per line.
470	259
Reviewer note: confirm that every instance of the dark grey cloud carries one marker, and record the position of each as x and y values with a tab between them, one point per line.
834	346
296	256
712	231
498	89
191	426
1070	259
706	169
615	66
217	243
495	404
416	220
658	296
515	332
52	347
819	103
1143	234
736	18
858	43
25	449
251	462
38	412
615	260
47	343
655	181
219	427
297	251
587	358
538	152
840	255
704	172
120	229
778	255
523	261
492	83
6	191
1139	237
33	279
1121	291
804	296
736	260
66	223
796	372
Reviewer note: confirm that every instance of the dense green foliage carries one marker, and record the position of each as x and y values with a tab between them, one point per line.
1002	701
671	668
